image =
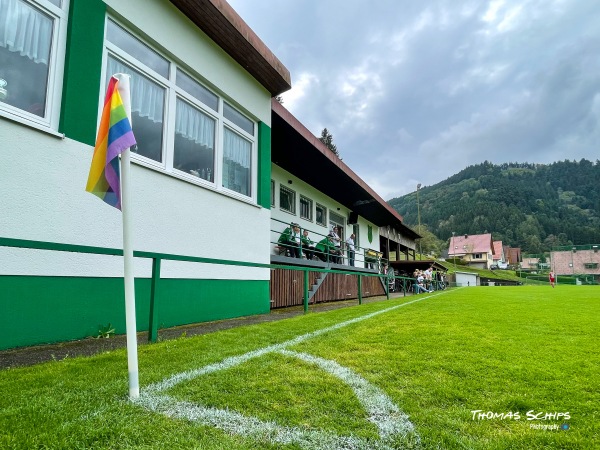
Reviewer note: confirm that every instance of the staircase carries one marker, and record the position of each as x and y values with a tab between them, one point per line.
315	287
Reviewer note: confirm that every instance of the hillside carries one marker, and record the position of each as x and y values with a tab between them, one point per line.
532	206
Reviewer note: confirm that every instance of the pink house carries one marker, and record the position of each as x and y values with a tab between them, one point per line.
476	250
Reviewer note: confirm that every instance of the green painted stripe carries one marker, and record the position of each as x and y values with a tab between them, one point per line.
264	165
41	310
83	66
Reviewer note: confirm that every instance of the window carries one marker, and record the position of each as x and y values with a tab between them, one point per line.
591	265
477	256
287	199
321	215
273	193
356	231
32	42
306	208
201	139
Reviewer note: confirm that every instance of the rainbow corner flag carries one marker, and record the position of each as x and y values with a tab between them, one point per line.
114	136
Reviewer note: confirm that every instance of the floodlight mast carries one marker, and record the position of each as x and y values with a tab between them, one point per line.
419	219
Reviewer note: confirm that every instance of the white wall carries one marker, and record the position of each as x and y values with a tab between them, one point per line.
162	22
43	178
466	279
42	181
316	232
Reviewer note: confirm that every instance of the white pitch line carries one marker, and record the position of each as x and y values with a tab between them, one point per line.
390	421
235	360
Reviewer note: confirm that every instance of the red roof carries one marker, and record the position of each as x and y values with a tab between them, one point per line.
475	243
497	250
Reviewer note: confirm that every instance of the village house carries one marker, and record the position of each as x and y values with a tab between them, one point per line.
476	250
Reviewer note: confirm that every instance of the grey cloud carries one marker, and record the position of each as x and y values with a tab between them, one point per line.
439	83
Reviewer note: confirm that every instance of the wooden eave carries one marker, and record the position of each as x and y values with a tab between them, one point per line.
218	20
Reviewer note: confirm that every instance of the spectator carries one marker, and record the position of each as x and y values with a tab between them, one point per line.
334	233
326	250
308	246
350	246
290	239
420	285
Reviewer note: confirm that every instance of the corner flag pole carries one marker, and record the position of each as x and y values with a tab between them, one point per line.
130	324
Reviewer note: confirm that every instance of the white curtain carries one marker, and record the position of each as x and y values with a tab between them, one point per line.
195	126
237	149
147	98
25	30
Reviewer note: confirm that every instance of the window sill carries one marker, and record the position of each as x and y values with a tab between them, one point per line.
182	177
288	212
30	124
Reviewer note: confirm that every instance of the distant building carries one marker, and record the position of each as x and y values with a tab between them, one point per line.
499	258
513	255
576	260
476	250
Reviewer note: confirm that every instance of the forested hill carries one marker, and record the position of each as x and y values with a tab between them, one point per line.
532	206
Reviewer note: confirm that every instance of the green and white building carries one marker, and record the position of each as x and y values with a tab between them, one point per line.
202	84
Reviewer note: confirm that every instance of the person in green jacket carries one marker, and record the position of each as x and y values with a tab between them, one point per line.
290	239
326	250
308	246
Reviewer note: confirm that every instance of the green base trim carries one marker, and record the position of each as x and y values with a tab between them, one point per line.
42	310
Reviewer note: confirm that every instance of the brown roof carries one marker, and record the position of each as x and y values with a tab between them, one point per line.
497	250
218	20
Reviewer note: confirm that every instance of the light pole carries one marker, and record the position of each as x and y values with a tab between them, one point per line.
419	219
454	251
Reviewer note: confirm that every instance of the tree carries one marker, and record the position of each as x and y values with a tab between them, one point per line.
429	243
327	139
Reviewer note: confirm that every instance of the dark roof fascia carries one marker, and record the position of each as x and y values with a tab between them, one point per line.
219	21
298	151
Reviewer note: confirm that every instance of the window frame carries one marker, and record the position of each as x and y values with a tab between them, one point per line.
310	208
173	93
325	221
272	193
283	189
56	64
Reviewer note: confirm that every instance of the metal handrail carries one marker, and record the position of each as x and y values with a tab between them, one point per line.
156	263
358	251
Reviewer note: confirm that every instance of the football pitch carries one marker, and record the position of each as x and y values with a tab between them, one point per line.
477	368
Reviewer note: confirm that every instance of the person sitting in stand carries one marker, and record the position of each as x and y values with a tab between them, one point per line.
337	242
290	239
420	285
308	246
326	250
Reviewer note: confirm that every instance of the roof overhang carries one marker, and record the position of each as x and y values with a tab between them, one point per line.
295	149
219	21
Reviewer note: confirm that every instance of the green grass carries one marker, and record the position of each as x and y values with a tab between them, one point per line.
498	349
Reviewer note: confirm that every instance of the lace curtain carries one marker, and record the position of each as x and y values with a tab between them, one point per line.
25	30
147	98
195	126
236	149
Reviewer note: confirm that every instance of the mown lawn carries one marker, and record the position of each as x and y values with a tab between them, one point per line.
504	351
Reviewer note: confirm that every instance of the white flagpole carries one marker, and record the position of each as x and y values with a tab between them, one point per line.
132	357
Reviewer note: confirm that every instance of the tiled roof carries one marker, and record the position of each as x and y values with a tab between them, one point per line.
474	243
497	250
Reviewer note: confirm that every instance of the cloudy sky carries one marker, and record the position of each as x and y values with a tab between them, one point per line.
415	91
